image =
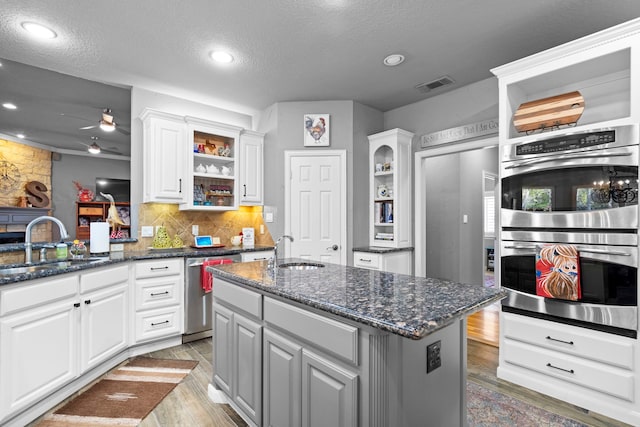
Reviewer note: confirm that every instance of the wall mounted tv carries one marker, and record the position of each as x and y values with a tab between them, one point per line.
120	189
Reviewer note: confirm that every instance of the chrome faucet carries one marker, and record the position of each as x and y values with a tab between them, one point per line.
27	237
273	262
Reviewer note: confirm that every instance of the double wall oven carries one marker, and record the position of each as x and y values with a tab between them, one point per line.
578	189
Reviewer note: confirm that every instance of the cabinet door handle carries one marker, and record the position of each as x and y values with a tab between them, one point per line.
159	293
160	268
560	369
87	301
76	305
180	185
245	190
557	340
159	323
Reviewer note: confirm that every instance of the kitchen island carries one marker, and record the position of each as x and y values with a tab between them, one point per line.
341	346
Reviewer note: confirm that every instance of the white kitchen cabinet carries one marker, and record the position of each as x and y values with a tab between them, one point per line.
212	165
38	343
104	299
251	168
390	189
53	330
256	255
164	147
158	309
590	368
394	261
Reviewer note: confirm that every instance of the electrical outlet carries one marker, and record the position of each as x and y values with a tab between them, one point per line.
146	231
433	356
194	230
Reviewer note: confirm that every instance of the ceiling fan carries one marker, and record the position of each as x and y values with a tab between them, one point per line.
107	123
94	148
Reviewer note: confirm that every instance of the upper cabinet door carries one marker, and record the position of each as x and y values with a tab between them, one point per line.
164	157
251	168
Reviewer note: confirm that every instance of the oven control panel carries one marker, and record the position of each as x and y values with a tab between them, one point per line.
567	142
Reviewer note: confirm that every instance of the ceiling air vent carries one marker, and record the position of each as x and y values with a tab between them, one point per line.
435	84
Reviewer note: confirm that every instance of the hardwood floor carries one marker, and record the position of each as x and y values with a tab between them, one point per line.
189	405
484	325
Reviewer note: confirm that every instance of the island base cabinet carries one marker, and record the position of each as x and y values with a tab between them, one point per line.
282	370
329	393
222	347
237	355
247	366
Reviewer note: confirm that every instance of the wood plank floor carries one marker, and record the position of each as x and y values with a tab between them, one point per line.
189	405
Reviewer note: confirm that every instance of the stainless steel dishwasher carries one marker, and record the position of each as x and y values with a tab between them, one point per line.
197	302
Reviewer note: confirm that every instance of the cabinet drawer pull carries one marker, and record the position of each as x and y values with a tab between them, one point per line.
87	301
159	293
166	267
159	323
76	305
365	260
557	340
560	369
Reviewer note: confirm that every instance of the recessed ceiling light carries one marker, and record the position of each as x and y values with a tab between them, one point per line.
221	56
393	60
39	30
9	106
20	135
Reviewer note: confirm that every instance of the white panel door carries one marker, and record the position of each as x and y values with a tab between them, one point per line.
316	212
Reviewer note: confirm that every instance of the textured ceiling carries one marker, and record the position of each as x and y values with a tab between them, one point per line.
285	50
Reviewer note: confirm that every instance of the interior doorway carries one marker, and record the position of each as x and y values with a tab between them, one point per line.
456	219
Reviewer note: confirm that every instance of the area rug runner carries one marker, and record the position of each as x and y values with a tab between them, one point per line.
124	396
488	408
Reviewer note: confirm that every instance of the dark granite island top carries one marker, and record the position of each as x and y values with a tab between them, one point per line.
408	306
344	346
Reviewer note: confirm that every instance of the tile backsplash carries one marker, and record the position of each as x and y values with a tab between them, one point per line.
217	224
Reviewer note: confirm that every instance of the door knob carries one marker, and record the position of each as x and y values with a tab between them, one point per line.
334	247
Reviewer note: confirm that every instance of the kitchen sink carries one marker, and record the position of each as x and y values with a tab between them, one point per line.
59	265
301	265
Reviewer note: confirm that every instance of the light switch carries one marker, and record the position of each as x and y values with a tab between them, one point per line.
465	219
194	230
146	231
268	216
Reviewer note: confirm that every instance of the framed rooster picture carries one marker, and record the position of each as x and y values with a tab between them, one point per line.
316	130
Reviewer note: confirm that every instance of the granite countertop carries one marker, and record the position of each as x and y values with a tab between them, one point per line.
56	267
409	306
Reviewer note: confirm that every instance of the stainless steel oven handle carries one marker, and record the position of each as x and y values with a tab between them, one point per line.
602	251
519	247
524	163
580	249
